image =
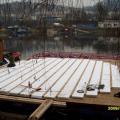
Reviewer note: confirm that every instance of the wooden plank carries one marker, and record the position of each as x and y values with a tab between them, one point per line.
50	73
36	74
83	68
84	81
18	88
70	86
62	81
28	100
44	80
45	69
46	84
46	66
20	64
115	76
8	70
15	72
5	68
25	72
38	113
102	99
95	80
13	82
106	78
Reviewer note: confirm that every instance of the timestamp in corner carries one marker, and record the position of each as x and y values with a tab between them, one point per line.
113	108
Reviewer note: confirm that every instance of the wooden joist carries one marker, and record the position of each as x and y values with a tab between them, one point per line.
29	100
37	114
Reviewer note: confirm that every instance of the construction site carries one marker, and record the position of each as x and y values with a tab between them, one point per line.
59	60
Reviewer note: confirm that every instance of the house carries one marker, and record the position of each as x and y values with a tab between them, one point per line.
109	24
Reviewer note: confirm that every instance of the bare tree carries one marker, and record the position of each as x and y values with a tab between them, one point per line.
101	11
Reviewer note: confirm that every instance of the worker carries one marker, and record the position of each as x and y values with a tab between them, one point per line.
11	59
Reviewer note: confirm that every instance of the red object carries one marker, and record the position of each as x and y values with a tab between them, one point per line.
16	54
74	55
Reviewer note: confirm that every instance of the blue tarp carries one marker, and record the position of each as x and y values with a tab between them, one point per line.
87	26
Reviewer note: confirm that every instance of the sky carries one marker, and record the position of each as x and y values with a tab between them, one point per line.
75	2
82	2
89	2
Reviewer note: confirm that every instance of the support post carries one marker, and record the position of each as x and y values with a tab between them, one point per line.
38	113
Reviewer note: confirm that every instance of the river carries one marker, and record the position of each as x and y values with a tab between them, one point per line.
88	44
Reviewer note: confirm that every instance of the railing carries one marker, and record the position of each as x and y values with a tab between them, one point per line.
74	55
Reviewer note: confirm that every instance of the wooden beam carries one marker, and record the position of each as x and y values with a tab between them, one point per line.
29	100
38	113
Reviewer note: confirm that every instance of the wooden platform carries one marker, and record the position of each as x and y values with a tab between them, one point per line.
61	79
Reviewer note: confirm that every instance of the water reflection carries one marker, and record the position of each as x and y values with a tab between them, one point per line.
89	44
